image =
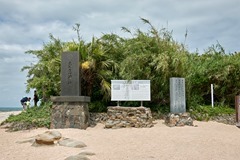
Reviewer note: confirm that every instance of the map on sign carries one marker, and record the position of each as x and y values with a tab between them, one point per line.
130	90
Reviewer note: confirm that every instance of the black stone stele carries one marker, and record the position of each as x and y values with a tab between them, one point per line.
70	75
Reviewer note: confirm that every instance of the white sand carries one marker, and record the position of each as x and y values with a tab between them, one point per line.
208	141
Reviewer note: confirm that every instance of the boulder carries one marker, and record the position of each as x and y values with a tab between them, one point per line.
67	142
77	157
48	137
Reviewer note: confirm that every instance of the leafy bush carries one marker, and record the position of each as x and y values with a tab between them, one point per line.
97	106
33	117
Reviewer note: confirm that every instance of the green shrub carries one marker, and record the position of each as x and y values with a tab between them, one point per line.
34	116
205	113
97	106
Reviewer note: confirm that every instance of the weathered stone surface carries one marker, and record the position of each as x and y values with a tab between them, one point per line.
81	156
67	142
70	115
178	119
103	117
177	95
52	138
98	118
77	157
57	135
70	79
48	138
87	153
125	117
226	119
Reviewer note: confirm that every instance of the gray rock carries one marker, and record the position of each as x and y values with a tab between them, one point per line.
77	157
67	142
48	138
179	119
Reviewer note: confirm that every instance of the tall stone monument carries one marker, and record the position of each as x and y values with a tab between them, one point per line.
70	110
177	95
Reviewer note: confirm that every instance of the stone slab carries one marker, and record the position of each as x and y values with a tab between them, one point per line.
177	95
70	74
70	99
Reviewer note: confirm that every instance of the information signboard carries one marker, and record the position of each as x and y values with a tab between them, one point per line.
130	90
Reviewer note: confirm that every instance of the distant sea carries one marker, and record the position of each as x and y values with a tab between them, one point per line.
9	109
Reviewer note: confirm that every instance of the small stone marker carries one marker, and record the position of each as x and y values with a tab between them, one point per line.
177	95
70	84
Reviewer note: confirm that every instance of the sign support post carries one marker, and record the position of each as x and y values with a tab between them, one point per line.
212	95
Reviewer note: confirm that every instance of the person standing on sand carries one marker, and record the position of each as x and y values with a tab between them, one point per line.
35	98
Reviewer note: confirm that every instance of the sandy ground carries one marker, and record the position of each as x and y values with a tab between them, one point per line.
207	141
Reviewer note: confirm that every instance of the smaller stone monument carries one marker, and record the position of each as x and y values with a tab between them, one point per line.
70	110
178	115
177	95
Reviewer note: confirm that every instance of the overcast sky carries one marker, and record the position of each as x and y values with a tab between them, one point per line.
26	24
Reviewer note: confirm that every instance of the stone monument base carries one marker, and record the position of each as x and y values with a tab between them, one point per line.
70	112
126	117
178	119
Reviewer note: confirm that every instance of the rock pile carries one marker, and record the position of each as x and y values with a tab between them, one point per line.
126	117
178	119
97	118
226	119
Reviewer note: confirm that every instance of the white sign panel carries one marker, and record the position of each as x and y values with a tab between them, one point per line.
130	90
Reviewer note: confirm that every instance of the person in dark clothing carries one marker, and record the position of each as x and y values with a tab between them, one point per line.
24	101
35	98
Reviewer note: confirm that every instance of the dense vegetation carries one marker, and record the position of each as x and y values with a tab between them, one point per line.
152	55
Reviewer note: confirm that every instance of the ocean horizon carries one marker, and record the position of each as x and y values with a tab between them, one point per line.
9	109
